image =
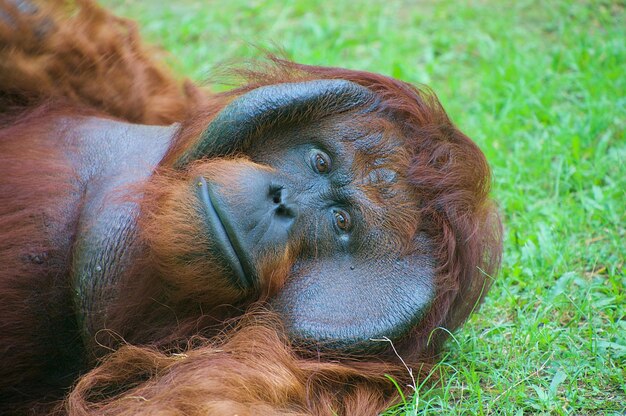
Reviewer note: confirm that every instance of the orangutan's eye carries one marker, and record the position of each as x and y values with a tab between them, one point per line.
342	220
320	162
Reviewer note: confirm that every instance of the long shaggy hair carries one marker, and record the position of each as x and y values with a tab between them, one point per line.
235	361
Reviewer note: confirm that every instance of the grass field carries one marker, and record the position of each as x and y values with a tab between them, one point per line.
541	87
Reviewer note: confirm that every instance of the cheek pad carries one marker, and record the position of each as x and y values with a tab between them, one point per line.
343	303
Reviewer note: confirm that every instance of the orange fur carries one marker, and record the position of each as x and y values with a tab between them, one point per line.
38	208
251	372
92	58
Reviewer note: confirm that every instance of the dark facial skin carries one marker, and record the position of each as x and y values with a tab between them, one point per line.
348	285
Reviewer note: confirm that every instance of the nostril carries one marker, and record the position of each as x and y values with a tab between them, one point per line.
280	198
285	211
275	193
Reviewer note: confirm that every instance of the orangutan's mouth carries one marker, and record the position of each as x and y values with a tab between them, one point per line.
225	236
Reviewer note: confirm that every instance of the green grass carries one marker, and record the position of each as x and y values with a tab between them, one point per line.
541	87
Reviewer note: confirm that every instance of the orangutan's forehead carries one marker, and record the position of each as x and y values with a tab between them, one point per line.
379	165
379	171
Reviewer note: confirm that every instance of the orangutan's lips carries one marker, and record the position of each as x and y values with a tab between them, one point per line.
225	237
